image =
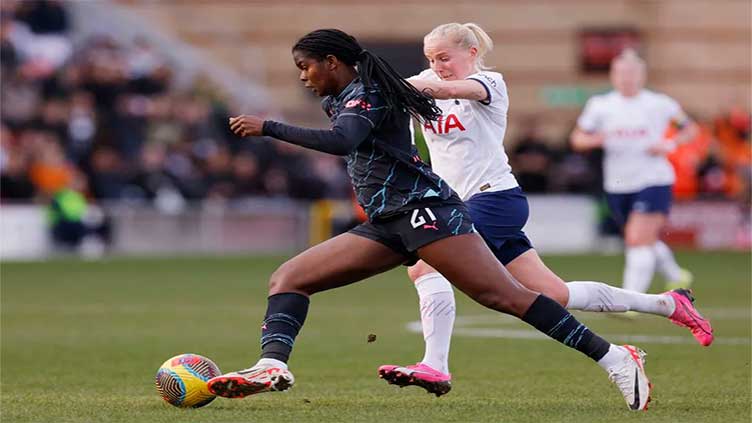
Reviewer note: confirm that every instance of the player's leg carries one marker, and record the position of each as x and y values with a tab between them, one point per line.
437	311
340	261
640	234
639	257
666	265
469	264
656	201
529	269
677	305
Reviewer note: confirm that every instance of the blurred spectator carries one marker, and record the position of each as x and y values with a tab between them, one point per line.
246	176
735	151
577	172
43	16
531	159
107	174
76	225
14	179
49	170
686	160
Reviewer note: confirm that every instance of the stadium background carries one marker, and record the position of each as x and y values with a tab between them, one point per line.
114	143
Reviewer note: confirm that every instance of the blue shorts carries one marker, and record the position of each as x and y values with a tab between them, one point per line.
655	199
499	217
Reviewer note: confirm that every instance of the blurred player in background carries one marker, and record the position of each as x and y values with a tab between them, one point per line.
466	150
629	123
412	214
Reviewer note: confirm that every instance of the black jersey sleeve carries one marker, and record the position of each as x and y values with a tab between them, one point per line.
340	140
352	126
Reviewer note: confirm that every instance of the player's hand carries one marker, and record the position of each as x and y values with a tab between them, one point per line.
662	148
597	140
246	126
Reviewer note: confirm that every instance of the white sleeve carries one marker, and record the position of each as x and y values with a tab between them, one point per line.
494	84
589	120
673	109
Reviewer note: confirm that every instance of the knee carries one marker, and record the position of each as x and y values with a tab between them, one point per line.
282	280
635	239
419	269
503	303
558	292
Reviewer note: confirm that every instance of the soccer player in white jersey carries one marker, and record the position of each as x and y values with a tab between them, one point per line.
629	124
466	151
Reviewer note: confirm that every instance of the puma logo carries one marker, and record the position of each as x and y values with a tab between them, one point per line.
431	226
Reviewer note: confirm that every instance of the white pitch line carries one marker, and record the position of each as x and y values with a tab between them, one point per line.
464	327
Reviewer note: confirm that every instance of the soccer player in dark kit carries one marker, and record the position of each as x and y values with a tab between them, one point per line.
412	214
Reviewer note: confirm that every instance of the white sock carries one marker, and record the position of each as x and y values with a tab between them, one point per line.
639	267
437	317
598	296
614	357
665	262
271	362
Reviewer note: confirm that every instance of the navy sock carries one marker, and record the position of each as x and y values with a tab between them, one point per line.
285	315
551	318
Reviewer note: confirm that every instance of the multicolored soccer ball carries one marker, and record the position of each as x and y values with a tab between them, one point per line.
181	380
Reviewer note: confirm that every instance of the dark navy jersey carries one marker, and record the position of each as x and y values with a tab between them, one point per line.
386	171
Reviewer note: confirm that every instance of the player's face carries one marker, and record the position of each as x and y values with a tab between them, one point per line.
627	77
448	60
315	74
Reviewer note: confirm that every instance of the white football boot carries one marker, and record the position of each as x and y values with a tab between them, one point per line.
629	376
255	380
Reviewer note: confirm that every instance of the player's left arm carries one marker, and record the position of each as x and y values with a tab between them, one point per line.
466	89
687	130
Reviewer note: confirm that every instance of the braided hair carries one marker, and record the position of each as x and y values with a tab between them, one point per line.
372	70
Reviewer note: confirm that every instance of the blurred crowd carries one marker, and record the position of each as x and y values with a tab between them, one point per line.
105	119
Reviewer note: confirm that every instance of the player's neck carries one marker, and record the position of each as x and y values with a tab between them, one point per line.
344	80
630	94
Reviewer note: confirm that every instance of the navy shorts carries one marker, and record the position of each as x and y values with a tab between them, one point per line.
655	199
499	217
407	232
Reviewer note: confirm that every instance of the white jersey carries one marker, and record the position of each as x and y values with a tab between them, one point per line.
631	125
466	142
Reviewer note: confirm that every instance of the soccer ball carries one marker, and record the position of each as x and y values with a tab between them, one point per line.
181	380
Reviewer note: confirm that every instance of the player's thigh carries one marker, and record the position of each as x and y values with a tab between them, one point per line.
468	264
419	269
339	261
643	228
530	271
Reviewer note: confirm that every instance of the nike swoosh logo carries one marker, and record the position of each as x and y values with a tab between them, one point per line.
636	404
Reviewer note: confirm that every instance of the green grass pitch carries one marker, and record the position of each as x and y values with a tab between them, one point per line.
81	342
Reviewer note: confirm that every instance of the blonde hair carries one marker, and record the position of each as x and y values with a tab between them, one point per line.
629	56
466	36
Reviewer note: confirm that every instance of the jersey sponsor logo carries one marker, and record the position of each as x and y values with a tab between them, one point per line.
443	126
629	132
417	220
358	102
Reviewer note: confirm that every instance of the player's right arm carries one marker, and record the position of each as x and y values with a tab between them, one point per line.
467	89
587	135
353	125
583	141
